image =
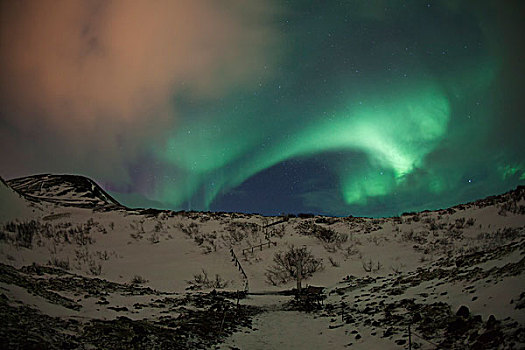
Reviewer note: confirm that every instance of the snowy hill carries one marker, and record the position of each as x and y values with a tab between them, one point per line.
120	278
13	205
66	190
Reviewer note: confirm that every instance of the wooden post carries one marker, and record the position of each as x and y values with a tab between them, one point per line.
222	323
299	274
409	338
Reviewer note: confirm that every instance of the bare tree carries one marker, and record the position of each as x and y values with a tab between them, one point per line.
293	264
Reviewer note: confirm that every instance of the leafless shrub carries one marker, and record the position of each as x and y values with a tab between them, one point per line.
286	264
498	237
154	238
82	256
237	236
279	232
206	239
23	233
375	239
351	250
202	280
158	227
136	235
460	223
325	235
137	279
454	234
94	268
60	263
102	255
407	236
333	262
511	207
190	230
396	268
371	266
83	237
423	258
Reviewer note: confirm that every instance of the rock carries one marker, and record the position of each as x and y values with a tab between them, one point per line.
349	320
489	339
473	337
491	322
463	311
388	332
458	326
477	319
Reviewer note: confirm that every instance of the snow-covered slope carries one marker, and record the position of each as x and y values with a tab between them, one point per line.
13	205
66	190
80	271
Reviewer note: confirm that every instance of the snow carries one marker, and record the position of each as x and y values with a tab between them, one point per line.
169	249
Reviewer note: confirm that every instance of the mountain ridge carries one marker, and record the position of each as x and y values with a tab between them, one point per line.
83	192
63	189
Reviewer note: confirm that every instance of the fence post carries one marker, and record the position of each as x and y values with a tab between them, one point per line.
223	318
409	338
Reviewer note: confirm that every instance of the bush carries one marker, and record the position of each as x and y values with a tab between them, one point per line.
286	263
95	268
325	235
137	279
371	266
63	264
202	280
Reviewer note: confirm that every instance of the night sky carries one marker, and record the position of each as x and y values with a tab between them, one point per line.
335	107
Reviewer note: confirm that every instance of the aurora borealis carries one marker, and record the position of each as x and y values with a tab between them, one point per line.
341	108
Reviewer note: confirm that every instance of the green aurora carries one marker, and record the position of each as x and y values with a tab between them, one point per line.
388	127
341	108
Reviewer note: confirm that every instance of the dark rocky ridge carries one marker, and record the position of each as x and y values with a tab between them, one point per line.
65	190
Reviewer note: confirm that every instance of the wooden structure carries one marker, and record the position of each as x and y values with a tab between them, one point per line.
241	270
269	243
311	296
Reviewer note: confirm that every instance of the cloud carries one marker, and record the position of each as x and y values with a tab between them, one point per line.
80	78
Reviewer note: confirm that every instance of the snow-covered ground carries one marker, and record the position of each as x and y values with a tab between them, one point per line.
148	276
